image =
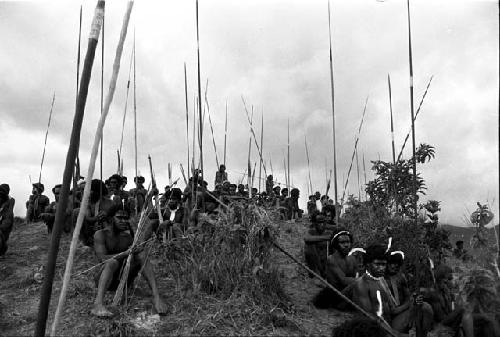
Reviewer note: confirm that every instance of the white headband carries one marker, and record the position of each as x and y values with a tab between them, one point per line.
341	233
354	250
398	252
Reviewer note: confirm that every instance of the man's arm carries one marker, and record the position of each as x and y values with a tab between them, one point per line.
336	275
361	296
100	247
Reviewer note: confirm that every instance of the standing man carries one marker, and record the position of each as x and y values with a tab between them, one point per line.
221	175
36	203
139	193
6	216
49	214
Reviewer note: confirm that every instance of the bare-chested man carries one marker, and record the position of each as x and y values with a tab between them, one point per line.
114	240
139	193
6	216
340	270
96	214
36	203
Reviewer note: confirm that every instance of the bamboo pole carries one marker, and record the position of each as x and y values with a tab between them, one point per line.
249	177
357	171
46	290
225	136
200	112
102	92
250	121
364	171
90	173
187	117
333	115
46	135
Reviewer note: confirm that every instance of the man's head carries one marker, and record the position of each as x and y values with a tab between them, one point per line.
139	180
295	193
443	275
175	198
270	177
38	188
460	244
115	182
241	188
284	192
4	193
317	195
96	187
124	181
232	188
222	168
120	218
254	191
342	242
57	191
394	262
376	260
277	190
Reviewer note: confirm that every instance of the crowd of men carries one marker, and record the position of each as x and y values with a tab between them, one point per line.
373	278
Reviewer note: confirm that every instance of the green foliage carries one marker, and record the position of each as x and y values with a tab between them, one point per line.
394	183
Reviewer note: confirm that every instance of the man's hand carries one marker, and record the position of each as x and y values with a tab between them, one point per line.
418	299
101	216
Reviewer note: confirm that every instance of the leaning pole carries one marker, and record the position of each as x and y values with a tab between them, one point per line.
46	290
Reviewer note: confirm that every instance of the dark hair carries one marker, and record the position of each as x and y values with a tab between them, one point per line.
54	188
222	166
375	252
294	193
358	327
96	185
117	208
139	179
335	239
395	259
116	177
442	271
459	242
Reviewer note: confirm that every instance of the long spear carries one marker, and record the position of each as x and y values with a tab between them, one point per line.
225	136
46	290
187	116
200	112
288	155
46	135
126	101
392	122
135	116
261	145
333	114
211	126
355	147
249	177
308	165
253	134
357	171
91	169
415	118
364	171
271	164
102	92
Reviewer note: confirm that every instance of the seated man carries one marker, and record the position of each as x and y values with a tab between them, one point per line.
241	191
220	175
340	271
173	216
36	203
49	214
114	240
96	214
115	192
453	316
315	245
6	216
371	292
460	252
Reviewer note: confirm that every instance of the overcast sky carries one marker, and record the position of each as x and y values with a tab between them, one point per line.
275	54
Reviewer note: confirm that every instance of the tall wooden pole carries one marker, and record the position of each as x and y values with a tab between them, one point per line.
46	135
102	92
200	112
46	290
187	117
364	171
126	101
333	117
357	171
91	168
225	137
76	176
392	122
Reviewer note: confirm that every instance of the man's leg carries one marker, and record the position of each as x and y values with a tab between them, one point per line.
105	280
148	274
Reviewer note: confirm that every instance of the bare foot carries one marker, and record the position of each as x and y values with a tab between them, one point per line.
160	306
100	310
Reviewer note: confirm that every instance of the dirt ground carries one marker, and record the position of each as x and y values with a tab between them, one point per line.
21	277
